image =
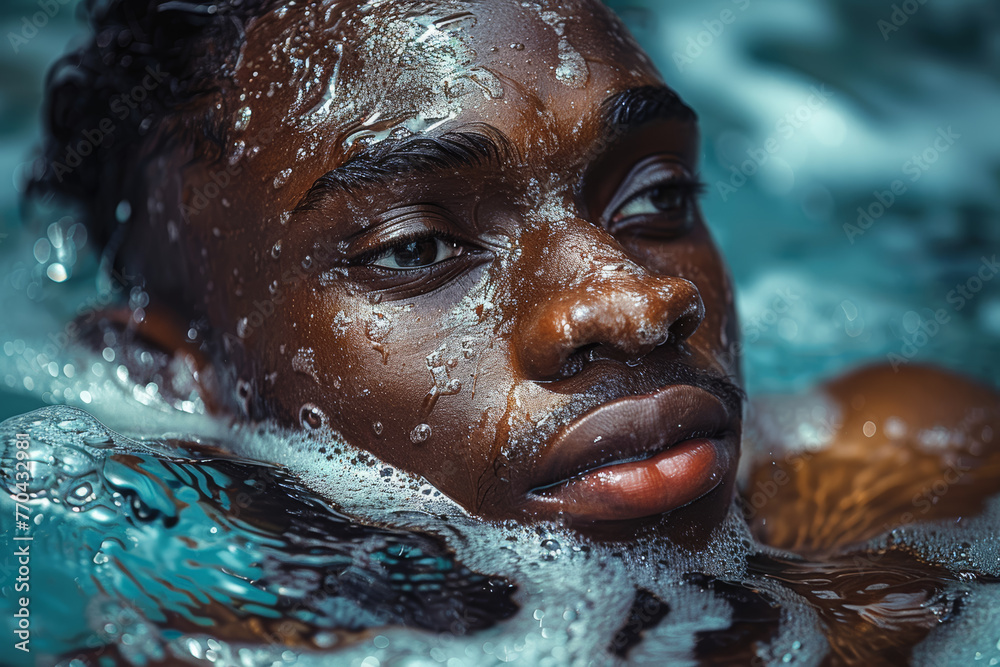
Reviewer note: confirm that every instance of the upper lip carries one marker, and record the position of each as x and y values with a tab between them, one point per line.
631	428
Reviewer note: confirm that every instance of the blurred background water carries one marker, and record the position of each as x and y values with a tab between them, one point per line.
812	110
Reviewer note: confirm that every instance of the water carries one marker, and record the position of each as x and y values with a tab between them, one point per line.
148	549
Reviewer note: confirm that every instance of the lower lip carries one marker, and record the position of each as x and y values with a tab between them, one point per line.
661	483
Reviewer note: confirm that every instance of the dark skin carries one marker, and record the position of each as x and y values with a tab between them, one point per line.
464	319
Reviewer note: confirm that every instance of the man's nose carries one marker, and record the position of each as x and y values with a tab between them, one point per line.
612	303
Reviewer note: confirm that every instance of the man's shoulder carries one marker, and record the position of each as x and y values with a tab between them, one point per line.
871	450
923	396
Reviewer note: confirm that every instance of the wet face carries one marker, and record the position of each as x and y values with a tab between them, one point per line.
465	237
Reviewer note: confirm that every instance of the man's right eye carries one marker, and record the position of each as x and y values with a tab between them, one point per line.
418	253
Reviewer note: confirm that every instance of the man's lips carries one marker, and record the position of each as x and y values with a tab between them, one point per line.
637	456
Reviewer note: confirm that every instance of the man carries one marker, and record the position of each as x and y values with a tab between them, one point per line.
463	236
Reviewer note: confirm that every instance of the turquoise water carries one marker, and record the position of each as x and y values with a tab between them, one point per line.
159	551
815	298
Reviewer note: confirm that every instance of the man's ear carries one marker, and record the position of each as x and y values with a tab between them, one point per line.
179	360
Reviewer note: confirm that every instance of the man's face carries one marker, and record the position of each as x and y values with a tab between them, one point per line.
465	236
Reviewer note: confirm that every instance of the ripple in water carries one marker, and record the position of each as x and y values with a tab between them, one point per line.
170	548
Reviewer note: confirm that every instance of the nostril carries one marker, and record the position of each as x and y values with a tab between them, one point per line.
687	322
576	361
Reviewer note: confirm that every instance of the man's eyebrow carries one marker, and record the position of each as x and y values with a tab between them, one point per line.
646	104
386	161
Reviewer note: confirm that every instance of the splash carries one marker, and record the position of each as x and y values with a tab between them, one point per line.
425	58
173	546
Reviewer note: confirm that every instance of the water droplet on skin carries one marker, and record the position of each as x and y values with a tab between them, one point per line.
341	322
238	147
517	46
242	327
420	434
377	427
487	82
311	417
242	119
572	70
282	177
276	250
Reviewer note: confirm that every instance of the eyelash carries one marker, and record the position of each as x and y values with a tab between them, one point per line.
690	187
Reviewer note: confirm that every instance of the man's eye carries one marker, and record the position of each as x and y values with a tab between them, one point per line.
664	211
417	254
654	201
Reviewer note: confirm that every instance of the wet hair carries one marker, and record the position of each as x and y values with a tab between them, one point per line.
141	79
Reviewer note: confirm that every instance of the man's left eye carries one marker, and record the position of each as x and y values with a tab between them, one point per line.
654	201
658	200
418	254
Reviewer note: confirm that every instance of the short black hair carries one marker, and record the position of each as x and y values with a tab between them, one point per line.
143	75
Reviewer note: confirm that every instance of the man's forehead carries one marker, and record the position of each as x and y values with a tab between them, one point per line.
358	73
